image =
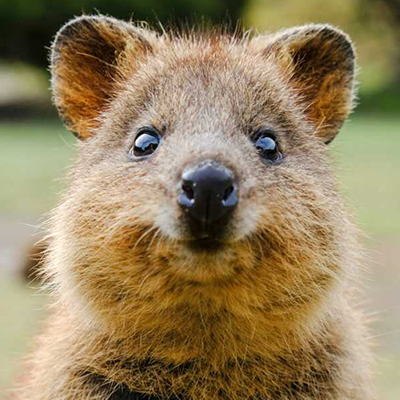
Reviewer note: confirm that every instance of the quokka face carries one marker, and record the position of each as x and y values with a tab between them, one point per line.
202	165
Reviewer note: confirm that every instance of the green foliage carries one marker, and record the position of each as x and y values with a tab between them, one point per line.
368	22
27	27
385	100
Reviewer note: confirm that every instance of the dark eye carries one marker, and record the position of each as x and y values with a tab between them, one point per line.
146	143
267	146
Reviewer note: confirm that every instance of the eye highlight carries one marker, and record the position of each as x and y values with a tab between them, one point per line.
267	146
146	143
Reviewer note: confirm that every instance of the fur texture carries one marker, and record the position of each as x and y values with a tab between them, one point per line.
137	314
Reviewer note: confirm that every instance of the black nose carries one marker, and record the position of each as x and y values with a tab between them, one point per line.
209	196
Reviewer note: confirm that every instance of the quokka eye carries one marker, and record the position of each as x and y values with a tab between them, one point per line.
146	143
267	146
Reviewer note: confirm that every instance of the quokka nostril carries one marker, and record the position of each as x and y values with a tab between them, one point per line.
228	192
188	190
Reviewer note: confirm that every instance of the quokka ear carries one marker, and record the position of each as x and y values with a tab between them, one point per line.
86	60
320	61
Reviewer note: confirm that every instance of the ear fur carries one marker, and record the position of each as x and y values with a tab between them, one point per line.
320	61
85	58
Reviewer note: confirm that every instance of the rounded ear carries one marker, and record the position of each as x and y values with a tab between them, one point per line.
86	57
320	63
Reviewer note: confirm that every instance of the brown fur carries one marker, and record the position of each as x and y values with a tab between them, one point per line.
32	266
270	316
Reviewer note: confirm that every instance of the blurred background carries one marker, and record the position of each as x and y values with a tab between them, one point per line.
35	150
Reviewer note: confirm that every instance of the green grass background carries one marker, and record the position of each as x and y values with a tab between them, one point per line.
34	158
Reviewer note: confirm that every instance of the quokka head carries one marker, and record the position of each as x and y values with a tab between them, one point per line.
202	160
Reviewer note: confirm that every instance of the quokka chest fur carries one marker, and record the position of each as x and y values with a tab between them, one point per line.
202	250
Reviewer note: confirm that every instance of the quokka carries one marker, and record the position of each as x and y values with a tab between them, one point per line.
202	250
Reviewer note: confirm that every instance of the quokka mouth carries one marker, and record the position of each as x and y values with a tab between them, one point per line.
205	245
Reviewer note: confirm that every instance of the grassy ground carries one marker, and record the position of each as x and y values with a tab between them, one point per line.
34	157
367	152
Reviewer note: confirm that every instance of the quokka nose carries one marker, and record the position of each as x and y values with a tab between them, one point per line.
209	194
